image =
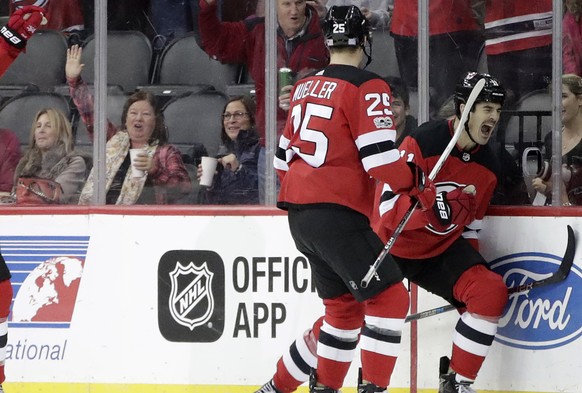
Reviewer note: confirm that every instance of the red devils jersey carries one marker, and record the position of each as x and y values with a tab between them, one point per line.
446	16
339	134
517	25
419	239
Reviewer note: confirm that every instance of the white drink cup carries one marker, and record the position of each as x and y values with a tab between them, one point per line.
208	169
132	154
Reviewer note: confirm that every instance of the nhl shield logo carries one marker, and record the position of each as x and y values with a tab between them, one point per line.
191	301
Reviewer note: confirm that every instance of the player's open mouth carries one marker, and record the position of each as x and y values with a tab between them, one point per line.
486	129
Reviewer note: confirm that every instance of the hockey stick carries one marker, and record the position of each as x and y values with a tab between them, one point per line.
470	101
559	275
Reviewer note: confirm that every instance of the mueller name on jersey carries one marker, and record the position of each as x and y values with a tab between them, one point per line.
314	88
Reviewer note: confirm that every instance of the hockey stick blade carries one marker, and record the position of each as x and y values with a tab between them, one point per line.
435	170
559	275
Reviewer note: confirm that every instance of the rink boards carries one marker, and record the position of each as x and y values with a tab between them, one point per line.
206	300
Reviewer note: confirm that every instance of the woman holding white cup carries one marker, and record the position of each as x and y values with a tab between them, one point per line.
235	179
155	175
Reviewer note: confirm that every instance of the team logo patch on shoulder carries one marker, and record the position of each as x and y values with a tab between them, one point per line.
383	122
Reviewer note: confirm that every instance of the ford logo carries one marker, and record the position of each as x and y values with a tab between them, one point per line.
544	317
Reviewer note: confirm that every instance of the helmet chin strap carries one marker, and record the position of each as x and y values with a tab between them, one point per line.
467	129
369	56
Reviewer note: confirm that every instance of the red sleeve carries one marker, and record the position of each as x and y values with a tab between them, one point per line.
9	157
568	58
169	171
83	100
368	121
224	41
392	210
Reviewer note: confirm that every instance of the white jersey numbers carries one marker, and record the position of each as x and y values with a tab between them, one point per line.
315	157
378	100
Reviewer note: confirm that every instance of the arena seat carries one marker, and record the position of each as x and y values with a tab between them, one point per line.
129	57
184	63
18	113
195	118
40	68
534	109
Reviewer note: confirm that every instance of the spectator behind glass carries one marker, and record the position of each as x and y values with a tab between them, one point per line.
400	105
455	39
173	19
9	157
121	15
236	181
518	44
166	179
572	38
378	12
300	46
51	155
571	144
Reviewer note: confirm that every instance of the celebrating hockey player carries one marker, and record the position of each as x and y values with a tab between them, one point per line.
338	137
21	26
439	251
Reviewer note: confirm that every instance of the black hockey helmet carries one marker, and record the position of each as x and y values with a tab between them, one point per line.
346	26
493	91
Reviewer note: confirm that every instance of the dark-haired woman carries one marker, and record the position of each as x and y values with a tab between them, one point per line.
165	178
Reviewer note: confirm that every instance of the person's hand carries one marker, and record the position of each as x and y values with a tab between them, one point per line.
143	162
457	207
424	190
21	26
539	185
73	67
319	6
229	162
285	97
198	172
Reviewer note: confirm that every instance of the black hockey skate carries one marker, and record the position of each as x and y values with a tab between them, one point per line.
368	387
318	389
269	387
448	382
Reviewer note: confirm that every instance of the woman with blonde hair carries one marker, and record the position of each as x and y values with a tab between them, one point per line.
571	144
52	156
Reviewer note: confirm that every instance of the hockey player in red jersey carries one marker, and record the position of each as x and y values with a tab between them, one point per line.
338	137
21	26
440	254
439	251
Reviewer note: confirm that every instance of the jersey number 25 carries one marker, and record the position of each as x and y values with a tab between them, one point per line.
317	137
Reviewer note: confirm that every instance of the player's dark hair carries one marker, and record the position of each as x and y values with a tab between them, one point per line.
398	89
